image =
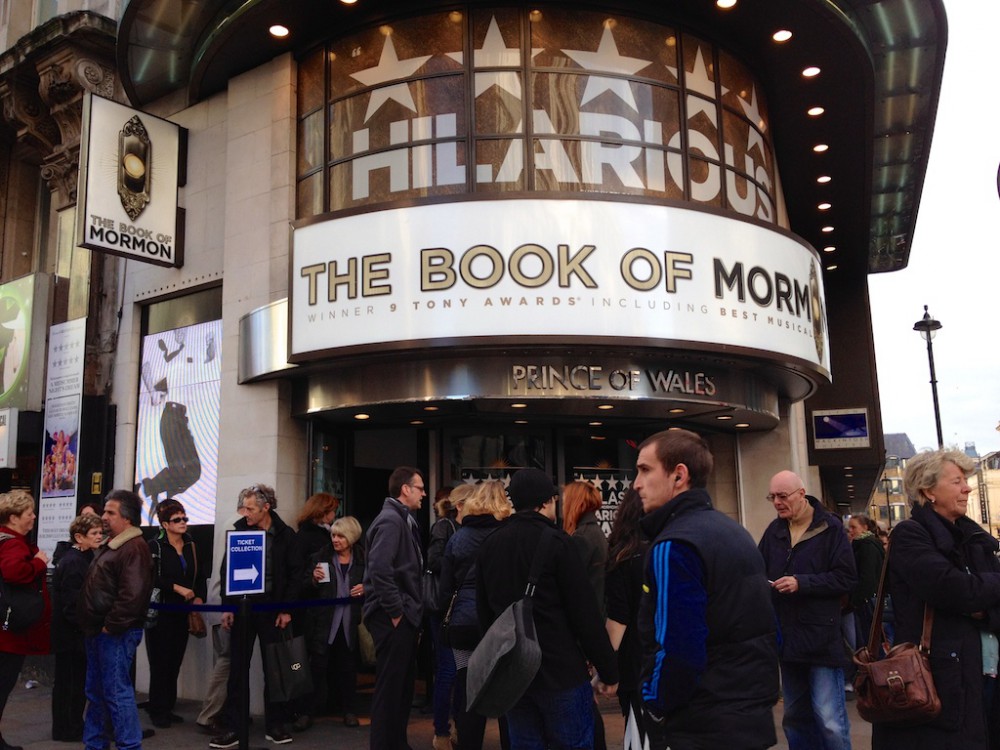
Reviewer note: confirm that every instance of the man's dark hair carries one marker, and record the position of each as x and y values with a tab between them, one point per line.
683	447
401	475
129	505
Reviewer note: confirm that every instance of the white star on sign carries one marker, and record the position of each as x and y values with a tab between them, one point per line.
609	60
698	80
390	68
752	111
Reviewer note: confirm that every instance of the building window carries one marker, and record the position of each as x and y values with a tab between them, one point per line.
500	100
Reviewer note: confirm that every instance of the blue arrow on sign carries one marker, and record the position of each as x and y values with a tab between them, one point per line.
245	561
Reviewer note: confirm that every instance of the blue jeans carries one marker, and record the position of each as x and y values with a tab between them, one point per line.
556	719
110	695
444	679
815	711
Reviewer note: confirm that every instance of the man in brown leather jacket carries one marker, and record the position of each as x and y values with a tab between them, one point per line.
112	610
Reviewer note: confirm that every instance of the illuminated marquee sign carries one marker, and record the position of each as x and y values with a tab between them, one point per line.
130	169
533	271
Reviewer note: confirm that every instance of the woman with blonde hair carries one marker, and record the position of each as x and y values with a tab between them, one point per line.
480	515
335	572
941	559
22	564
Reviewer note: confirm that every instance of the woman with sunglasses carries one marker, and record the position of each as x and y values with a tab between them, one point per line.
176	574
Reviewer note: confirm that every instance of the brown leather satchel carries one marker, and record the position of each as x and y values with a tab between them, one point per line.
898	688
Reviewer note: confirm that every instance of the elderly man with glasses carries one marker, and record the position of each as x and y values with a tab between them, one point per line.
810	566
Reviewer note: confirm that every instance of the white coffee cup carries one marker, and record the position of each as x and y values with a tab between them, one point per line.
325	570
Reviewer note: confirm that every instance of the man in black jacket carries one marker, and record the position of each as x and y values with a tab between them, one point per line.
807	555
112	609
283	571
709	650
393	606
556	709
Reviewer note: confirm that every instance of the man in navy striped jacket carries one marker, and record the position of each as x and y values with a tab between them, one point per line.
706	623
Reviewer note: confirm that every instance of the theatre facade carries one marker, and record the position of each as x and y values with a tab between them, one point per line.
474	238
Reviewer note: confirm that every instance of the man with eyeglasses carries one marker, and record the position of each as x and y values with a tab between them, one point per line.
393	607
811	568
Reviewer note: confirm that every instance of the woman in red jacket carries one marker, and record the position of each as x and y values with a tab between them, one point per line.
21	564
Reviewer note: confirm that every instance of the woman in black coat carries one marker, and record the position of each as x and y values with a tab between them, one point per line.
314	523
335	572
68	699
177	575
480	514
623	590
943	559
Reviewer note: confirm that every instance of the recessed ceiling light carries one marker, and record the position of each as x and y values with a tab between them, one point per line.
597	437
742	424
824	206
848	468
724	416
725	4
826	230
829	248
595	424
677	411
348	2
362	416
520	421
815	111
605	407
823	179
832	268
849	476
518	406
781	35
819	148
811	72
416	421
279	31
431	408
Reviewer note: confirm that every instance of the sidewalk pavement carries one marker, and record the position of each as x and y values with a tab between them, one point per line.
27	721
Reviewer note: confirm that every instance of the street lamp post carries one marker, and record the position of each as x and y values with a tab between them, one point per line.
927	327
887	485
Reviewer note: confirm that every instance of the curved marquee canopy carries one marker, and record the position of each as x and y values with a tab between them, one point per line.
881	63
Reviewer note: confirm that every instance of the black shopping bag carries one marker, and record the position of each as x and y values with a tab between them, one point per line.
286	664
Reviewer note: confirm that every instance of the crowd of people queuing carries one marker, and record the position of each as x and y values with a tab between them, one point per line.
694	626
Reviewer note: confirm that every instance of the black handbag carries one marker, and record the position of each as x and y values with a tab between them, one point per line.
431	587
21	605
286	664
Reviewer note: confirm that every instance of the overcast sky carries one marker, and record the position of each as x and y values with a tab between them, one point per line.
955	259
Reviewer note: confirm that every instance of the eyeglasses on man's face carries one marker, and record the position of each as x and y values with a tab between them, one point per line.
179	519
782	496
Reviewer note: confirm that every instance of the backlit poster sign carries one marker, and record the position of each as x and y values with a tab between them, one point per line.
177	440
